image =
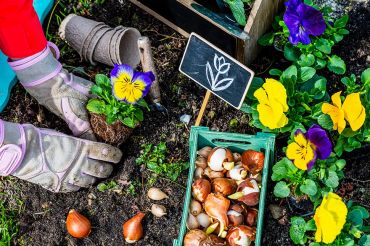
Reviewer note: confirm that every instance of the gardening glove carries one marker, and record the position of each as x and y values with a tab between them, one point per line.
53	87
57	162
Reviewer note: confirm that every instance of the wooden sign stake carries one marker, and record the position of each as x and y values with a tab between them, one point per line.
203	108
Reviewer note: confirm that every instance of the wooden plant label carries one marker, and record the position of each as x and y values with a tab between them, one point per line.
216	71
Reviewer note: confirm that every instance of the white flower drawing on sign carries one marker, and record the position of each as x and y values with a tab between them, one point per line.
221	67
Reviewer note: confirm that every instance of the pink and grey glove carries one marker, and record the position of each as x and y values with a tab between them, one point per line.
61	92
55	161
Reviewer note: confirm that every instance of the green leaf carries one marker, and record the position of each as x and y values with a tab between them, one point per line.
320	63
309	187
275	72
332	180
291	53
323	45
338	37
364	213
343	31
297	230
102	187
341	22
139	114
281	190
128	122
365	77
96	90
142	103
281	169
364	240
237	8
96	106
306	60
307	73
325	122
355	217
267	39
102	80
289	78
341	163
336	65
311	225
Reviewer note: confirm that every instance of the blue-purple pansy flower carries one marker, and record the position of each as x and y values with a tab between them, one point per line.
302	21
128	85
308	147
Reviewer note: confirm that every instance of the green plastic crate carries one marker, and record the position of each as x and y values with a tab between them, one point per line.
202	136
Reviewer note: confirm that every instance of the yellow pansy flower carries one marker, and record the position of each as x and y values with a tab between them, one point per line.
301	151
272	100
330	218
351	111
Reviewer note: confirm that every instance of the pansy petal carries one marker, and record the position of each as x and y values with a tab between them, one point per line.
318	234
120	71
276	91
312	20
293	150
143	81
312	162
318	136
261	96
283	121
120	88
335	98
354	112
292	4
300	138
265	112
336	114
303	36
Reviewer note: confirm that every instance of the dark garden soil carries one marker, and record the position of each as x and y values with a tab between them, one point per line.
42	220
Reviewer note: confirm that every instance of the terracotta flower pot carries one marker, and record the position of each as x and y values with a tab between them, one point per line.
116	133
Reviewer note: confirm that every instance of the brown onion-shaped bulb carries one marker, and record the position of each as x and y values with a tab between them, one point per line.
204	152
133	229
251	216
212	174
241	236
195	238
78	225
224	186
253	161
235	215
201	189
216	206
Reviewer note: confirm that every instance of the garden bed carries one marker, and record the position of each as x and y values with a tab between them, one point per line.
42	216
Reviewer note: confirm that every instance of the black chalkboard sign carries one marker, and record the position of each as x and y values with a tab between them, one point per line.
216	71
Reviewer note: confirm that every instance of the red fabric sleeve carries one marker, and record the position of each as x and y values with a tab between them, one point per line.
21	33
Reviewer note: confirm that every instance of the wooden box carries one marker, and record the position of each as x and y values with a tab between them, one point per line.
186	16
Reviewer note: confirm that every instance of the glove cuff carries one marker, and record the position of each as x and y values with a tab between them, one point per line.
36	69
11	155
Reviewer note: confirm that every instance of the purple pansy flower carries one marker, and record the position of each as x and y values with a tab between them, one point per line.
309	146
302	21
128	85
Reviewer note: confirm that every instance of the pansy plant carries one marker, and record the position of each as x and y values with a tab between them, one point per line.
334	223
306	35
120	98
310	169
347	114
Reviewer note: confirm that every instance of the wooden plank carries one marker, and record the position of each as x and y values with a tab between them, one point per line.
184	20
159	17
259	21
